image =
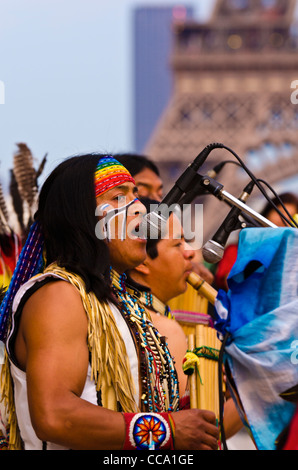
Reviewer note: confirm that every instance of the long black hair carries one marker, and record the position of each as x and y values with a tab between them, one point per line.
66	212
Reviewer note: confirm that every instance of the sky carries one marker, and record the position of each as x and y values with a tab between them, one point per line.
66	68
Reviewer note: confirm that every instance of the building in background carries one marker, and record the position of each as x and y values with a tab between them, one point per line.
153	78
232	79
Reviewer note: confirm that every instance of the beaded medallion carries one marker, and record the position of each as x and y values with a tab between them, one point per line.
148	431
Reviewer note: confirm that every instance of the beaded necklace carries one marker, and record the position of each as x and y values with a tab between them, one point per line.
153	303
159	382
148	299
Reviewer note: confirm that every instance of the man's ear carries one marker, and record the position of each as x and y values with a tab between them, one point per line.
142	268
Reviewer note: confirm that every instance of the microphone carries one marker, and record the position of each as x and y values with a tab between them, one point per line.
195	191
154	223
213	249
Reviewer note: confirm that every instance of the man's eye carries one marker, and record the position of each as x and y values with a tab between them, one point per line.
144	192
120	198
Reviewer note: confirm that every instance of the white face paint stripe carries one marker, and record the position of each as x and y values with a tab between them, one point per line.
112	214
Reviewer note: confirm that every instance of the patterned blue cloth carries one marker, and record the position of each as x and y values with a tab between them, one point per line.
30	262
260	312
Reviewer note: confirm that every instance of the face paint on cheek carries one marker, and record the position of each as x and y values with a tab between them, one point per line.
113	222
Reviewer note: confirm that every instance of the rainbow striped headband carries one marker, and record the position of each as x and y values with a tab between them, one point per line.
109	174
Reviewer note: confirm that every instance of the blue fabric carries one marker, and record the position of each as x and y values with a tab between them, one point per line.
260	312
30	262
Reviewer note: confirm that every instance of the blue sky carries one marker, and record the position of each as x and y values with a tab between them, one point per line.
67	70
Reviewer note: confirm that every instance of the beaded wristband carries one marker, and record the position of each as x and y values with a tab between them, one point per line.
149	431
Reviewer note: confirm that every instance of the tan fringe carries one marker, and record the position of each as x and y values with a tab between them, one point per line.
7	396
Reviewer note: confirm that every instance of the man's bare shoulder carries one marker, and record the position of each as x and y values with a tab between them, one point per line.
54	299
168	326
55	292
52	316
174	327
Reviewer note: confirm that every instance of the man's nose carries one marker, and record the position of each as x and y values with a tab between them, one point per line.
189	253
137	208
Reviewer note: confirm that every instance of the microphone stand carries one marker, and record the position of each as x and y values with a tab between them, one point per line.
225	196
214	187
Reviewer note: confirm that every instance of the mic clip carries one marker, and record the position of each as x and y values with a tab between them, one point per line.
211	185
200	185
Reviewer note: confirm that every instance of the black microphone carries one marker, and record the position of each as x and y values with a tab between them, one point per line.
213	249
154	223
199	190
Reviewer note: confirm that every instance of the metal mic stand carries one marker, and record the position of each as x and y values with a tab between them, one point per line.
214	187
225	196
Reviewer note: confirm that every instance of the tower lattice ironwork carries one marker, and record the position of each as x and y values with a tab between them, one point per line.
233	79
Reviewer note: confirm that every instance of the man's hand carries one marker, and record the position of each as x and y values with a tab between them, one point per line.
195	430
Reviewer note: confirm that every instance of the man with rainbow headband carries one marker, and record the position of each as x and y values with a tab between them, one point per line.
84	367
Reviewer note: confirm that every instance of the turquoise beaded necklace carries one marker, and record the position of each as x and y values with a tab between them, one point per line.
159	382
153	303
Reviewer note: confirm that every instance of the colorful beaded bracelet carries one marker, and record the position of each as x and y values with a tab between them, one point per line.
149	431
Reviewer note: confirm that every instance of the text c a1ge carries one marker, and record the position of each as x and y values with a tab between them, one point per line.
161	459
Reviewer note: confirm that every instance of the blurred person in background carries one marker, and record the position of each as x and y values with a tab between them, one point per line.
145	173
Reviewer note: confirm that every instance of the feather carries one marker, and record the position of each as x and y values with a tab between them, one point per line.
25	174
2	226
3	206
16	200
41	167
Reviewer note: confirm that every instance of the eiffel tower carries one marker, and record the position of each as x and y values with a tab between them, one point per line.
232	84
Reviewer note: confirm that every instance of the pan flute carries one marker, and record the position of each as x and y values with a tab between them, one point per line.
203	344
203	385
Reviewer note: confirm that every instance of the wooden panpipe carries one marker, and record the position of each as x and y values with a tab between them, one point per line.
203	385
204	344
202	287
